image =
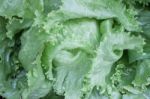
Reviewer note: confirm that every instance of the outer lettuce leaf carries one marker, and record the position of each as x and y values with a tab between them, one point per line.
50	5
93	9
143	95
32	44
110	50
12	88
144	18
31	7
2	29
11	76
17	25
23	8
2	50
10	8
142	73
38	85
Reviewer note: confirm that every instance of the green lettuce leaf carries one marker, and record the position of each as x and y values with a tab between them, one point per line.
38	85
93	9
144	19
142	73
32	45
110	50
74	49
72	56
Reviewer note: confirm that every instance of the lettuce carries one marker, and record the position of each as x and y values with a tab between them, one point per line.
74	49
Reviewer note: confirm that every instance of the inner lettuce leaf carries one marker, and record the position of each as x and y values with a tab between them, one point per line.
72	56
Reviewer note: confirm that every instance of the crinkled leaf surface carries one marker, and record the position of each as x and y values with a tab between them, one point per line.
74	49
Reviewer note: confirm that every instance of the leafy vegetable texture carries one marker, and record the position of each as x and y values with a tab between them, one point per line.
75	49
